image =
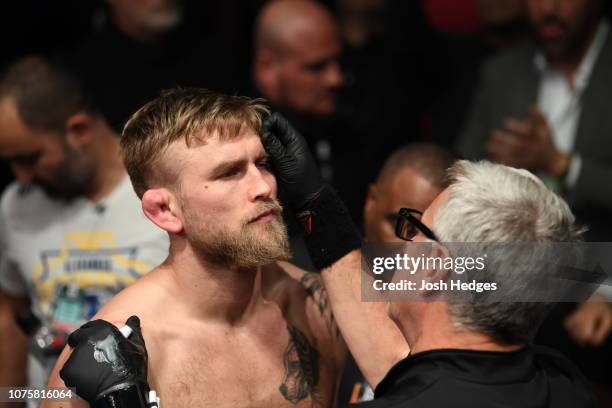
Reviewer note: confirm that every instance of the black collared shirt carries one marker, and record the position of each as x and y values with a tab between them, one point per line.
528	378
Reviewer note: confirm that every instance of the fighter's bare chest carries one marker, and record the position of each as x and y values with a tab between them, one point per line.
282	369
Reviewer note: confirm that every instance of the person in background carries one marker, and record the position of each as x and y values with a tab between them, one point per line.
72	233
411	177
540	107
296	67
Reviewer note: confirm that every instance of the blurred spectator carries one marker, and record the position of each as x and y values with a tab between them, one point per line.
144	46
71	227
296	68
544	107
36	27
411	177
297	47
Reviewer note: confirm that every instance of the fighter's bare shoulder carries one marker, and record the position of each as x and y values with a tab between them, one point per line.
143	299
291	287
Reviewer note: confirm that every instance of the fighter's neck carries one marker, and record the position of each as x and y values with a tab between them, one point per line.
214	293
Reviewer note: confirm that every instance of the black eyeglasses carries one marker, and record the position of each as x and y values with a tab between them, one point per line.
408	225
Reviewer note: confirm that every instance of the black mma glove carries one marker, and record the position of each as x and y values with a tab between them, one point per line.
330	232
296	169
106	368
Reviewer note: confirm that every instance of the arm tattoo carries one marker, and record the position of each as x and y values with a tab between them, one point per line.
315	290
301	362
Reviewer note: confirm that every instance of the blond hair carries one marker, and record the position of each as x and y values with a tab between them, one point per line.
190	114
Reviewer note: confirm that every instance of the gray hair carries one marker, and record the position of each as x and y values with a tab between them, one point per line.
493	204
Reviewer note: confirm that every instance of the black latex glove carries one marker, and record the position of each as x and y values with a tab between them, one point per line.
102	358
295	168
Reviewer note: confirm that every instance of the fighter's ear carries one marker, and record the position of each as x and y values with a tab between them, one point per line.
160	207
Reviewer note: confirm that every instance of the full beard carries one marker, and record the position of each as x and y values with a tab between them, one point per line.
252	246
74	178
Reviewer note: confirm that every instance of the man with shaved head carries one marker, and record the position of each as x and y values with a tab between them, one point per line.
412	177
297	45
296	68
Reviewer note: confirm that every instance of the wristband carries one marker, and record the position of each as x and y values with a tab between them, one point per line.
330	231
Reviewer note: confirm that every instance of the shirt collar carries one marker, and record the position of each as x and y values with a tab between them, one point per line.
417	372
588	61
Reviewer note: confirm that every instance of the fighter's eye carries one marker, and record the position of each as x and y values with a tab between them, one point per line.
234	171
264	164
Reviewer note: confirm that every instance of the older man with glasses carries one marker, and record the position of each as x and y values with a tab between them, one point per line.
467	354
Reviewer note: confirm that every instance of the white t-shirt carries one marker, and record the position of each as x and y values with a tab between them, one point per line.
70	258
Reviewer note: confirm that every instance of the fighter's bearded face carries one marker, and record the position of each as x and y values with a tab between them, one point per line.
258	240
229	209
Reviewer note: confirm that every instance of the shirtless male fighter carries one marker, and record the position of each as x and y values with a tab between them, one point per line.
226	323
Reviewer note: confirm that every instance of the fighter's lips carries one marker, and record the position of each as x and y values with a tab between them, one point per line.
264	217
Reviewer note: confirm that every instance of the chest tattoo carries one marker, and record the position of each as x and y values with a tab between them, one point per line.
301	361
